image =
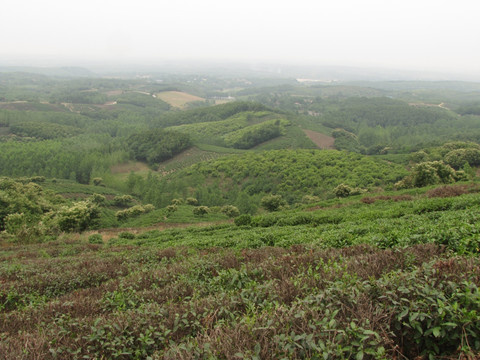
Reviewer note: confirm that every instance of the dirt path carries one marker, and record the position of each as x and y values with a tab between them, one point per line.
321	140
441	105
69	106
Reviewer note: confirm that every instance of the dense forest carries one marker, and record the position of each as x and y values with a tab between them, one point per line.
200	216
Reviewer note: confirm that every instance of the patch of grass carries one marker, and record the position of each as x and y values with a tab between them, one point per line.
66	187
188	158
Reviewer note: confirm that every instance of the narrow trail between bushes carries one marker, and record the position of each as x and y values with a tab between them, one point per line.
109	233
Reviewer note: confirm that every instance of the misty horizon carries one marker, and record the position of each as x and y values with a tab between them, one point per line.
430	37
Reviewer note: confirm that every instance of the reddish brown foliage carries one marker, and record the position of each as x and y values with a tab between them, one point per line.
452	190
396	198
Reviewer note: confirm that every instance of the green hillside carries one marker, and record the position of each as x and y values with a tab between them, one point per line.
210	114
389	275
247	177
130	229
242	130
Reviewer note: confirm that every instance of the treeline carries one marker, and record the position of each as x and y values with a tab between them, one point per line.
469	109
156	145
227	132
243	130
384	112
456	154
141	99
61	117
44	130
251	136
209	114
380	124
79	97
385	125
76	158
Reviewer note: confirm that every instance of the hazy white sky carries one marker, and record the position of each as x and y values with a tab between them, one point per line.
418	34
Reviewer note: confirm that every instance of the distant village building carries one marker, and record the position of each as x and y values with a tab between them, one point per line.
229	98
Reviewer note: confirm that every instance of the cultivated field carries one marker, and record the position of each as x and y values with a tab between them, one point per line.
321	140
178	99
393	276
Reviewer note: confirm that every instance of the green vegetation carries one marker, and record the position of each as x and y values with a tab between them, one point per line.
142	99
154	146
242	180
43	130
241	240
76	158
381	120
379	268
243	130
256	134
29	213
214	114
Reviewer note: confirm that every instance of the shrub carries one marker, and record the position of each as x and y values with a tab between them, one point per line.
13	222
429	173
230	210
148	208
457	158
98	199
200	210
95	239
78	217
126	235
342	190
405	183
308	199
419	156
98	181
242	220
171	208
130	212
38	179
272	202
432	172
461	175
176	202
123	200
192	201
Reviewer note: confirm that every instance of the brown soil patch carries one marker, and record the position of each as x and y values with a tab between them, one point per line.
114	92
178	99
321	140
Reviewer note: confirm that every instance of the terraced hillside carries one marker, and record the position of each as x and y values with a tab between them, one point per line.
388	276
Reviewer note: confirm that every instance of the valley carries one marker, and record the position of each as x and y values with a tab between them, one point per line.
294	220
